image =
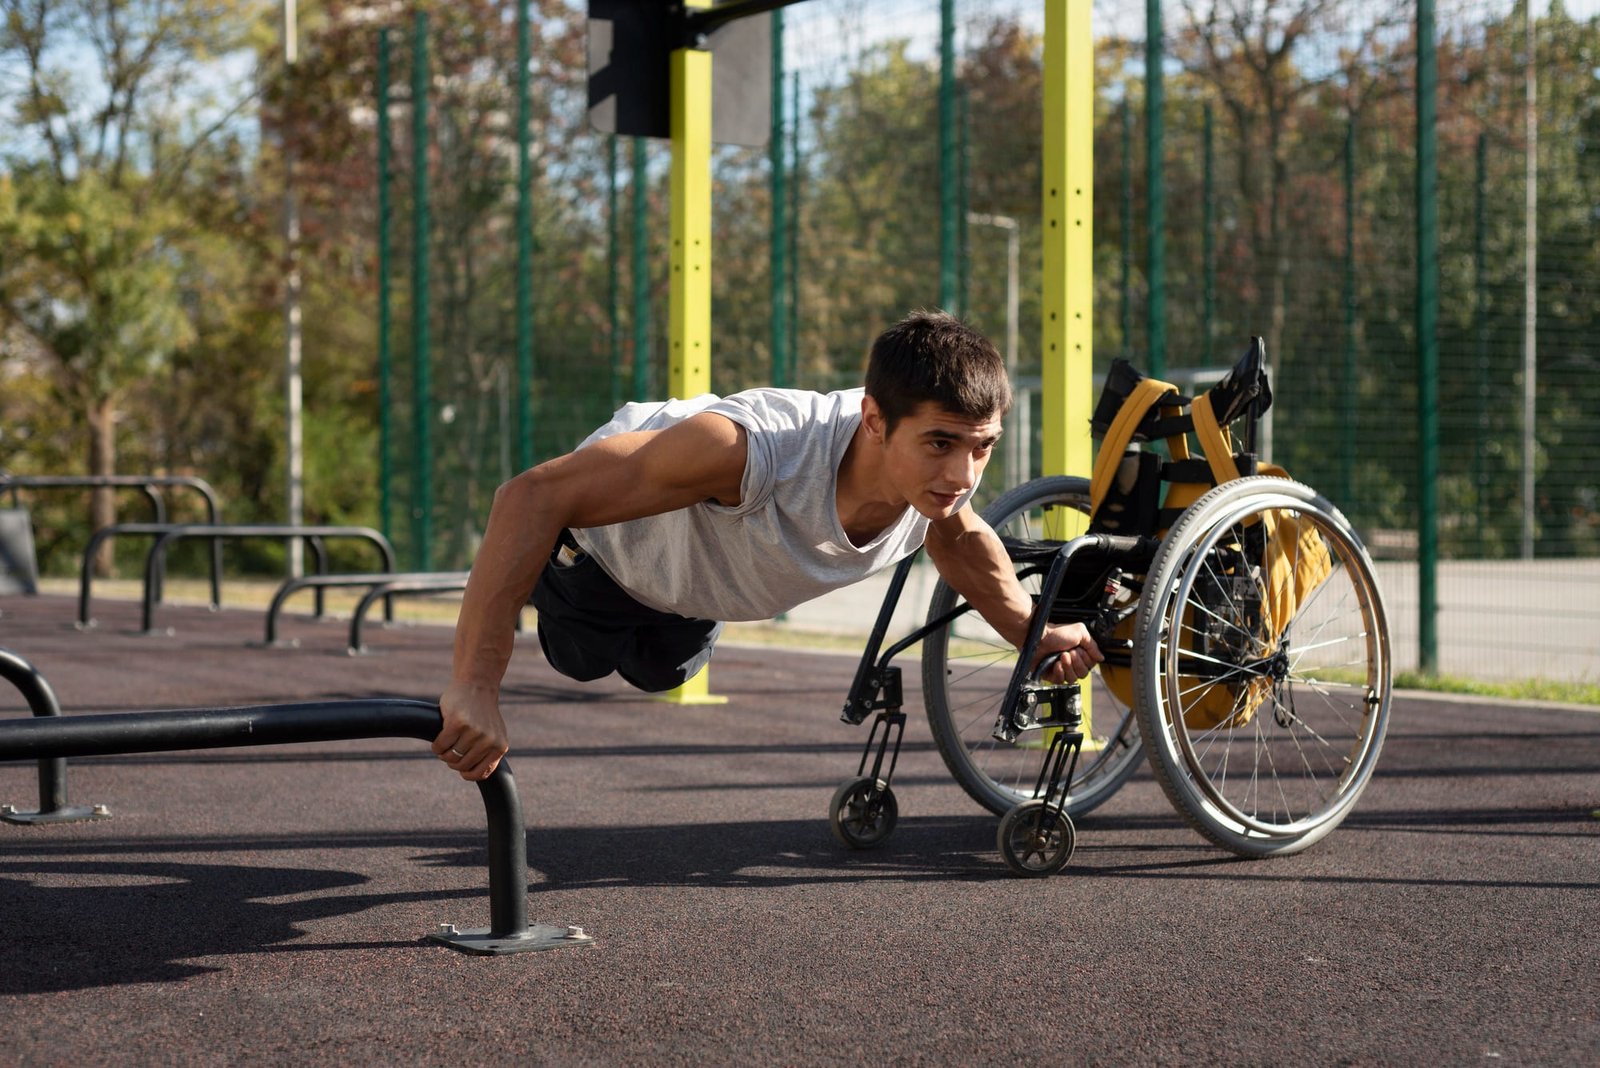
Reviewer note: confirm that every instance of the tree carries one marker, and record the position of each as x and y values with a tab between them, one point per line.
115	115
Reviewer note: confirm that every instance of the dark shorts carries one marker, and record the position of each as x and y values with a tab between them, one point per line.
589	627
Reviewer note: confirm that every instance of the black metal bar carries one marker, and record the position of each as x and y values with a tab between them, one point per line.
86	568
393	588
291	586
864	670
53	807
147	483
319	549
890	720
154	561
707	20
140	482
922	632
323	721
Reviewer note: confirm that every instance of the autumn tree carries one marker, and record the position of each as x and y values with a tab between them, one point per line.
118	109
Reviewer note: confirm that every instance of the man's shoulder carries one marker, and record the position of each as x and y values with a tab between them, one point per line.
771	408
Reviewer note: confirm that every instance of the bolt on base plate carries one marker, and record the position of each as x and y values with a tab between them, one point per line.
479	942
65	814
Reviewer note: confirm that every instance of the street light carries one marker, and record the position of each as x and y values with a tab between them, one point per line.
1018	423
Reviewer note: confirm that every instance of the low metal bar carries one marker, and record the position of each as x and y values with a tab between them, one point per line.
86	567
322	721
147	483
319	551
292	586
154	561
390	589
53	807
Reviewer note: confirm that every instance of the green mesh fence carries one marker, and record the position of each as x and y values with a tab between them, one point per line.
1294	218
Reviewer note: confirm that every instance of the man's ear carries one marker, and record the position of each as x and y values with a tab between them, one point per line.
872	419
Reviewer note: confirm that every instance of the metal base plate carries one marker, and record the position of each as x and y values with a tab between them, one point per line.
65	814
479	942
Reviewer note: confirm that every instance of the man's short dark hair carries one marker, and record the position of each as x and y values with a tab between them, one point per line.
933	356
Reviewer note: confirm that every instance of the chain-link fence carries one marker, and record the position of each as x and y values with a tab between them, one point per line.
1273	192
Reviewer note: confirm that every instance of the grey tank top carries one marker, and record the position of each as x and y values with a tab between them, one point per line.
782	544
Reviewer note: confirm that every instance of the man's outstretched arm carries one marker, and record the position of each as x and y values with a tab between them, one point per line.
973	561
628	476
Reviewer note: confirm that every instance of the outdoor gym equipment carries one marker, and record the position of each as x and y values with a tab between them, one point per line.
155	560
147	484
410	585
429	581
58	737
1246	648
53	806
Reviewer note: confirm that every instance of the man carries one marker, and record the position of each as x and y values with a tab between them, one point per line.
676	517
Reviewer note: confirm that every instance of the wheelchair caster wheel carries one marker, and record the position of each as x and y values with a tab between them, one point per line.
863	812
1036	839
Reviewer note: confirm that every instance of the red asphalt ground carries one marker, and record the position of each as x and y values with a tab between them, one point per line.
267	905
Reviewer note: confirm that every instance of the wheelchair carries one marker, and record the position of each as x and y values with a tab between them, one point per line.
1245	642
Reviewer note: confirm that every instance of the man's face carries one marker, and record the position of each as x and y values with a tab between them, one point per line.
933	458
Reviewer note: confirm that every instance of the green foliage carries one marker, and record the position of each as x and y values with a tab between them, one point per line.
143	261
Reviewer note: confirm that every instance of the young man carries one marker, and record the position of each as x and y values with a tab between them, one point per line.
676	517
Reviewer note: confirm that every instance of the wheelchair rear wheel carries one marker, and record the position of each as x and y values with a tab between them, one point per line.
1261	666
966	667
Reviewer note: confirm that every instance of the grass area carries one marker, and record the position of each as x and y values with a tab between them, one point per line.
1575	693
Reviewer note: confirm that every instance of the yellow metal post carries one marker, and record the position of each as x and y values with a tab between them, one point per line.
689	325
1067	348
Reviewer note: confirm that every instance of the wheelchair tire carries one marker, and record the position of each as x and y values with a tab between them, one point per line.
1036	839
1284	763
863	812
966	668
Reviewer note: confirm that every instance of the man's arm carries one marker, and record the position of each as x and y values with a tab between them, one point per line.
972	559
627	476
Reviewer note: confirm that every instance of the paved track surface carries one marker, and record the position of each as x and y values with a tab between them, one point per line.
267	905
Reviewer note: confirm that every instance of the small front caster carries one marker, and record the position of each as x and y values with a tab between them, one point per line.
1036	839
863	812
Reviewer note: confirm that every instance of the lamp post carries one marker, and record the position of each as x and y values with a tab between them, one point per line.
293	395
1017	420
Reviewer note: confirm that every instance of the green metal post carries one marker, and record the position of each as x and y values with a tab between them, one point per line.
796	172
524	251
1125	303
422	491
1347	395
1208	252
1480	322
1427	322
385	269
1155	193
963	204
947	155
778	252
641	273
613	289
